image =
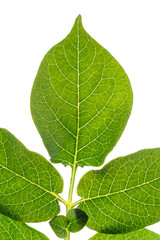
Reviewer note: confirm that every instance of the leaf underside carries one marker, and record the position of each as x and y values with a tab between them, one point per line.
28	182
142	234
77	219
81	100
13	230
59	225
124	195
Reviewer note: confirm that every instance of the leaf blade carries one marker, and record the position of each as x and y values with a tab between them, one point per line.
59	225
124	195
29	183
77	220
81	100
142	234
11	230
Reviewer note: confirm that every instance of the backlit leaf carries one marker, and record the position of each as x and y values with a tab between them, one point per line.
81	100
29	184
59	225
142	234
13	230
77	219
124	195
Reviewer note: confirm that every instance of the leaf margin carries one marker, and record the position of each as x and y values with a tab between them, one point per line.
108	167
10	145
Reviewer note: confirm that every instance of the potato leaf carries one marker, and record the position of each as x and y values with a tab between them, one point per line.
81	100
77	219
29	184
13	230
59	225
124	195
142	234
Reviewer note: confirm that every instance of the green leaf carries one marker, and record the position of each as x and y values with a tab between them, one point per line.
13	230
28	182
77	220
124	195
81	100
59	225
142	234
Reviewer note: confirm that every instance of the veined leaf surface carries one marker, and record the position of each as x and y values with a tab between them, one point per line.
59	225
77	219
124	195
142	234
81	100
29	184
13	230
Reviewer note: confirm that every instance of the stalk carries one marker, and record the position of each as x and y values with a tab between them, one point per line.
70	195
68	238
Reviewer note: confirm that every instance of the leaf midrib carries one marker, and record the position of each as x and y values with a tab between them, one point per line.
44	189
74	166
77	137
121	191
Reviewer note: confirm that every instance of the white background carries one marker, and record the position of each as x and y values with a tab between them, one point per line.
129	29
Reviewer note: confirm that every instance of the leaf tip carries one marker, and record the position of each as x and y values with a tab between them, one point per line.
78	22
79	18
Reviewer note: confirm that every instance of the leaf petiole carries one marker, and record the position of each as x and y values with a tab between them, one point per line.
76	203
61	200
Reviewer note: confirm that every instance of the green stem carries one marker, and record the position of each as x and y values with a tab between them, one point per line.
68	238
61	200
69	203
70	195
77	202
